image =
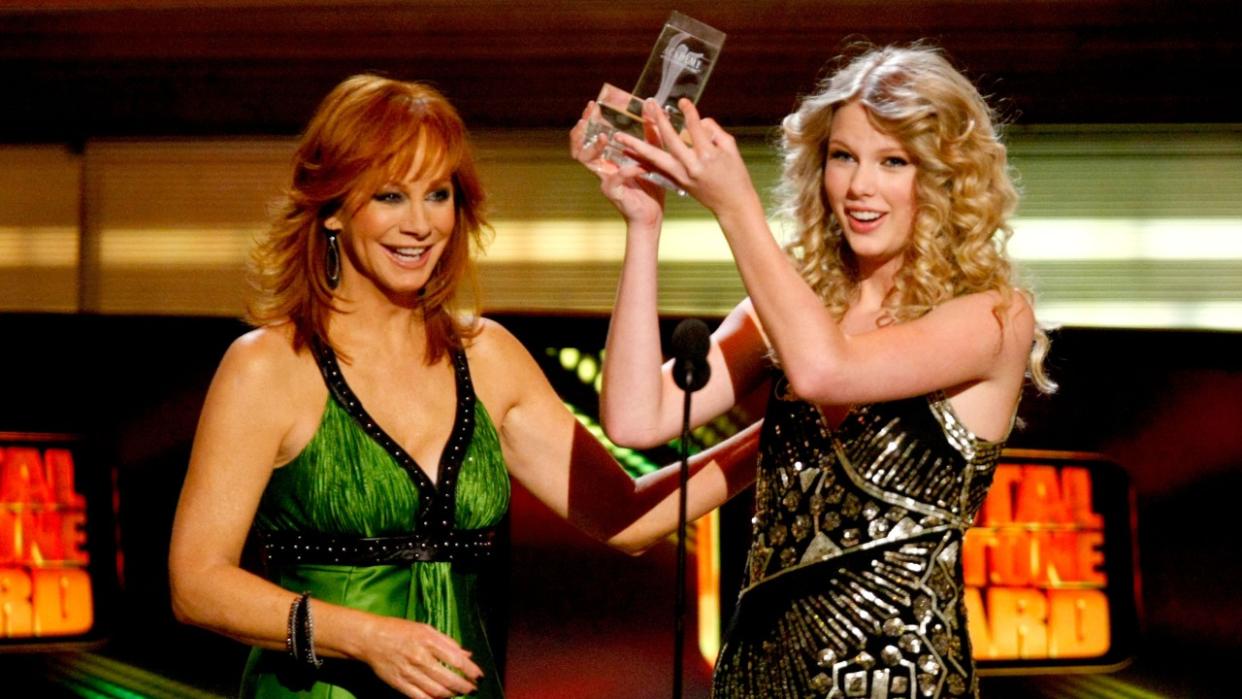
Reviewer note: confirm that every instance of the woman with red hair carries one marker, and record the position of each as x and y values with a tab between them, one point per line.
367	429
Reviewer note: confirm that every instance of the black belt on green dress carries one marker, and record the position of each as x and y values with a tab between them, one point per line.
454	545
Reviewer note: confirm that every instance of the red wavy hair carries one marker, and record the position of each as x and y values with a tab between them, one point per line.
368	131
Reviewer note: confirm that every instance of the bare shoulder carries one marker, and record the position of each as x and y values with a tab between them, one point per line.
262	368
1019	311
1016	317
267	342
504	371
1020	317
1011	317
496	353
493	338
263	355
987	405
270	387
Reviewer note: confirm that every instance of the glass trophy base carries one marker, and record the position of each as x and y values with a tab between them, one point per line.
621	112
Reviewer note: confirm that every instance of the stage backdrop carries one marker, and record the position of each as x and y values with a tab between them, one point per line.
575	619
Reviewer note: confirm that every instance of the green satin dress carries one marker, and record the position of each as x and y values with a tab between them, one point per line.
353	487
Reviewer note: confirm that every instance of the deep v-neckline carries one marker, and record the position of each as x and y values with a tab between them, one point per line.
437	498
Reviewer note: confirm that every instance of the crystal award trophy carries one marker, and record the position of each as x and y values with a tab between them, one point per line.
680	63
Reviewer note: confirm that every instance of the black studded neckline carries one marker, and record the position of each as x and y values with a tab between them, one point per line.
437	500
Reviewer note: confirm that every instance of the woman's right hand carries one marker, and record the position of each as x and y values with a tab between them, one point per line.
418	660
709	168
639	201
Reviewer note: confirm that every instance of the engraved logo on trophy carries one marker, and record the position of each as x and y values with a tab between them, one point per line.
679	65
677	58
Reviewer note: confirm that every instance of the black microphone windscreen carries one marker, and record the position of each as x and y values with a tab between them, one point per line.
691	340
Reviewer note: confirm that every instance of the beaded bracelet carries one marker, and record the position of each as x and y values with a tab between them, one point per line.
307	622
292	644
300	633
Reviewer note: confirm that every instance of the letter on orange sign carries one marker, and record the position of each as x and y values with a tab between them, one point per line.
974	556
977	626
1091	558
63	604
998	507
60	472
1011	558
16	615
9	553
1076	487
1039	497
1079	623
21	477
1058	557
73	537
1018	620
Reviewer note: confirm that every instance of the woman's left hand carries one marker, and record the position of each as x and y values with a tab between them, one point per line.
638	200
710	168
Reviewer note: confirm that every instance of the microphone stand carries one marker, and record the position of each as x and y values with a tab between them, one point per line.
680	599
691	342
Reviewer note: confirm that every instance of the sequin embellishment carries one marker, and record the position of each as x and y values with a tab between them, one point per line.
853	584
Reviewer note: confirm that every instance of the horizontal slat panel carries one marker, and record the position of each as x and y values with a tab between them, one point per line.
40	187
1110	216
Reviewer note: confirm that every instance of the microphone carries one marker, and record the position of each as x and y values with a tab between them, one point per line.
691	341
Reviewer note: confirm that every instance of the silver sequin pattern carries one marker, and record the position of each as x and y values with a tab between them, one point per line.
853	582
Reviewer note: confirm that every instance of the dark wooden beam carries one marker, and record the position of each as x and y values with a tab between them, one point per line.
79	69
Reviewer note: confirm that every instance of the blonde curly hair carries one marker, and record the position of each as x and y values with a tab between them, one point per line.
963	188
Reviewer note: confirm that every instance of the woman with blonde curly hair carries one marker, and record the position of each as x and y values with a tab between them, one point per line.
892	352
366	430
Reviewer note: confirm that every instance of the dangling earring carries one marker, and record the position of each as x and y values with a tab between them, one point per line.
332	261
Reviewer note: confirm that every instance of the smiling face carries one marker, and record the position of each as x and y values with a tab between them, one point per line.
870	181
395	239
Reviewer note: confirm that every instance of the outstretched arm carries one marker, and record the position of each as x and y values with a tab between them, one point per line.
566	468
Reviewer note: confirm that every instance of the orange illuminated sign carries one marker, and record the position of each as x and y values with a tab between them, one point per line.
1049	564
46	589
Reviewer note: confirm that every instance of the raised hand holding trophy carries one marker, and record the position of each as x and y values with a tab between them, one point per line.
680	63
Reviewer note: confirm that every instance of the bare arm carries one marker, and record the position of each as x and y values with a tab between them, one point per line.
640	406
244	422
960	343
566	468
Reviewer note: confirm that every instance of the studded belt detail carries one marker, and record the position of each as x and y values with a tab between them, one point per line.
454	545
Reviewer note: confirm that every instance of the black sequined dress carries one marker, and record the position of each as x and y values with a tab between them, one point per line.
853	585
